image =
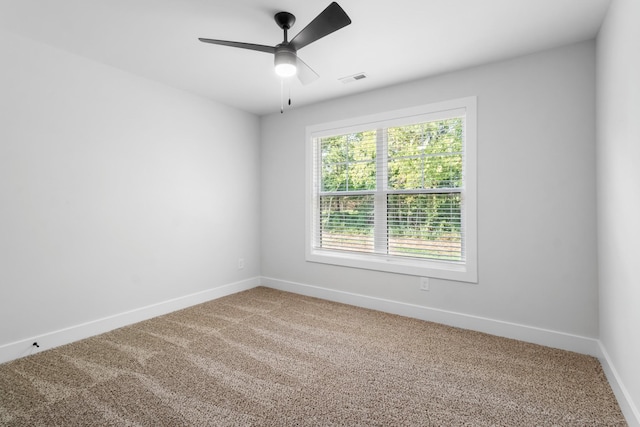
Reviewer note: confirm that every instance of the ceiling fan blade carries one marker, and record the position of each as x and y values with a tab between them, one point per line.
331	19
250	46
306	75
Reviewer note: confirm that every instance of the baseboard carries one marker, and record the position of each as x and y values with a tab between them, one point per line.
60	337
549	338
629	409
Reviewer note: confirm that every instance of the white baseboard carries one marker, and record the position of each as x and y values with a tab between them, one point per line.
549	338
629	409
60	337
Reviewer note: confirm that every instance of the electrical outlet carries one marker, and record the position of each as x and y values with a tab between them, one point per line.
424	283
240	263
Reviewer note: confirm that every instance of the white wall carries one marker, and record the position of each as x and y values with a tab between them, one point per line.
536	198
115	192
618	151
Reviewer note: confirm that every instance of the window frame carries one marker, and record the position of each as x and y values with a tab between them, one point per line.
465	271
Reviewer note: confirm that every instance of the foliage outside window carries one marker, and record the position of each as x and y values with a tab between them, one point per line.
396	192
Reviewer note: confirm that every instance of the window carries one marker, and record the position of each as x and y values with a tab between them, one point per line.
396	192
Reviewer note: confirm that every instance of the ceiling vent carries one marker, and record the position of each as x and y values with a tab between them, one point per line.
353	78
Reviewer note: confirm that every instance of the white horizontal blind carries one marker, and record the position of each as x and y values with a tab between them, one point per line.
347	222
411	174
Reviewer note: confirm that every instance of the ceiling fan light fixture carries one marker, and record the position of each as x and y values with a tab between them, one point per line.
285	61
286	70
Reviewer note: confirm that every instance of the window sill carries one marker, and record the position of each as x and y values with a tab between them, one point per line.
457	271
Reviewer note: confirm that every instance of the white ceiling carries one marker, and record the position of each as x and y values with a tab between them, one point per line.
390	41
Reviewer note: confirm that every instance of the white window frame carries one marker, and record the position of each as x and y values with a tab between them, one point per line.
465	271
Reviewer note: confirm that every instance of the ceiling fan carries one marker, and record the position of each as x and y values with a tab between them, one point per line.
287	62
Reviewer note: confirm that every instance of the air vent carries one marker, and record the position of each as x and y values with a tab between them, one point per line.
353	78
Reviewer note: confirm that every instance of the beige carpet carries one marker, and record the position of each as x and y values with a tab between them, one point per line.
270	358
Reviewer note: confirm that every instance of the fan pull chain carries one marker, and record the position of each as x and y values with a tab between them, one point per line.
281	96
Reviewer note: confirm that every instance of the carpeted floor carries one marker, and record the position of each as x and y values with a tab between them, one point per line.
270	358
